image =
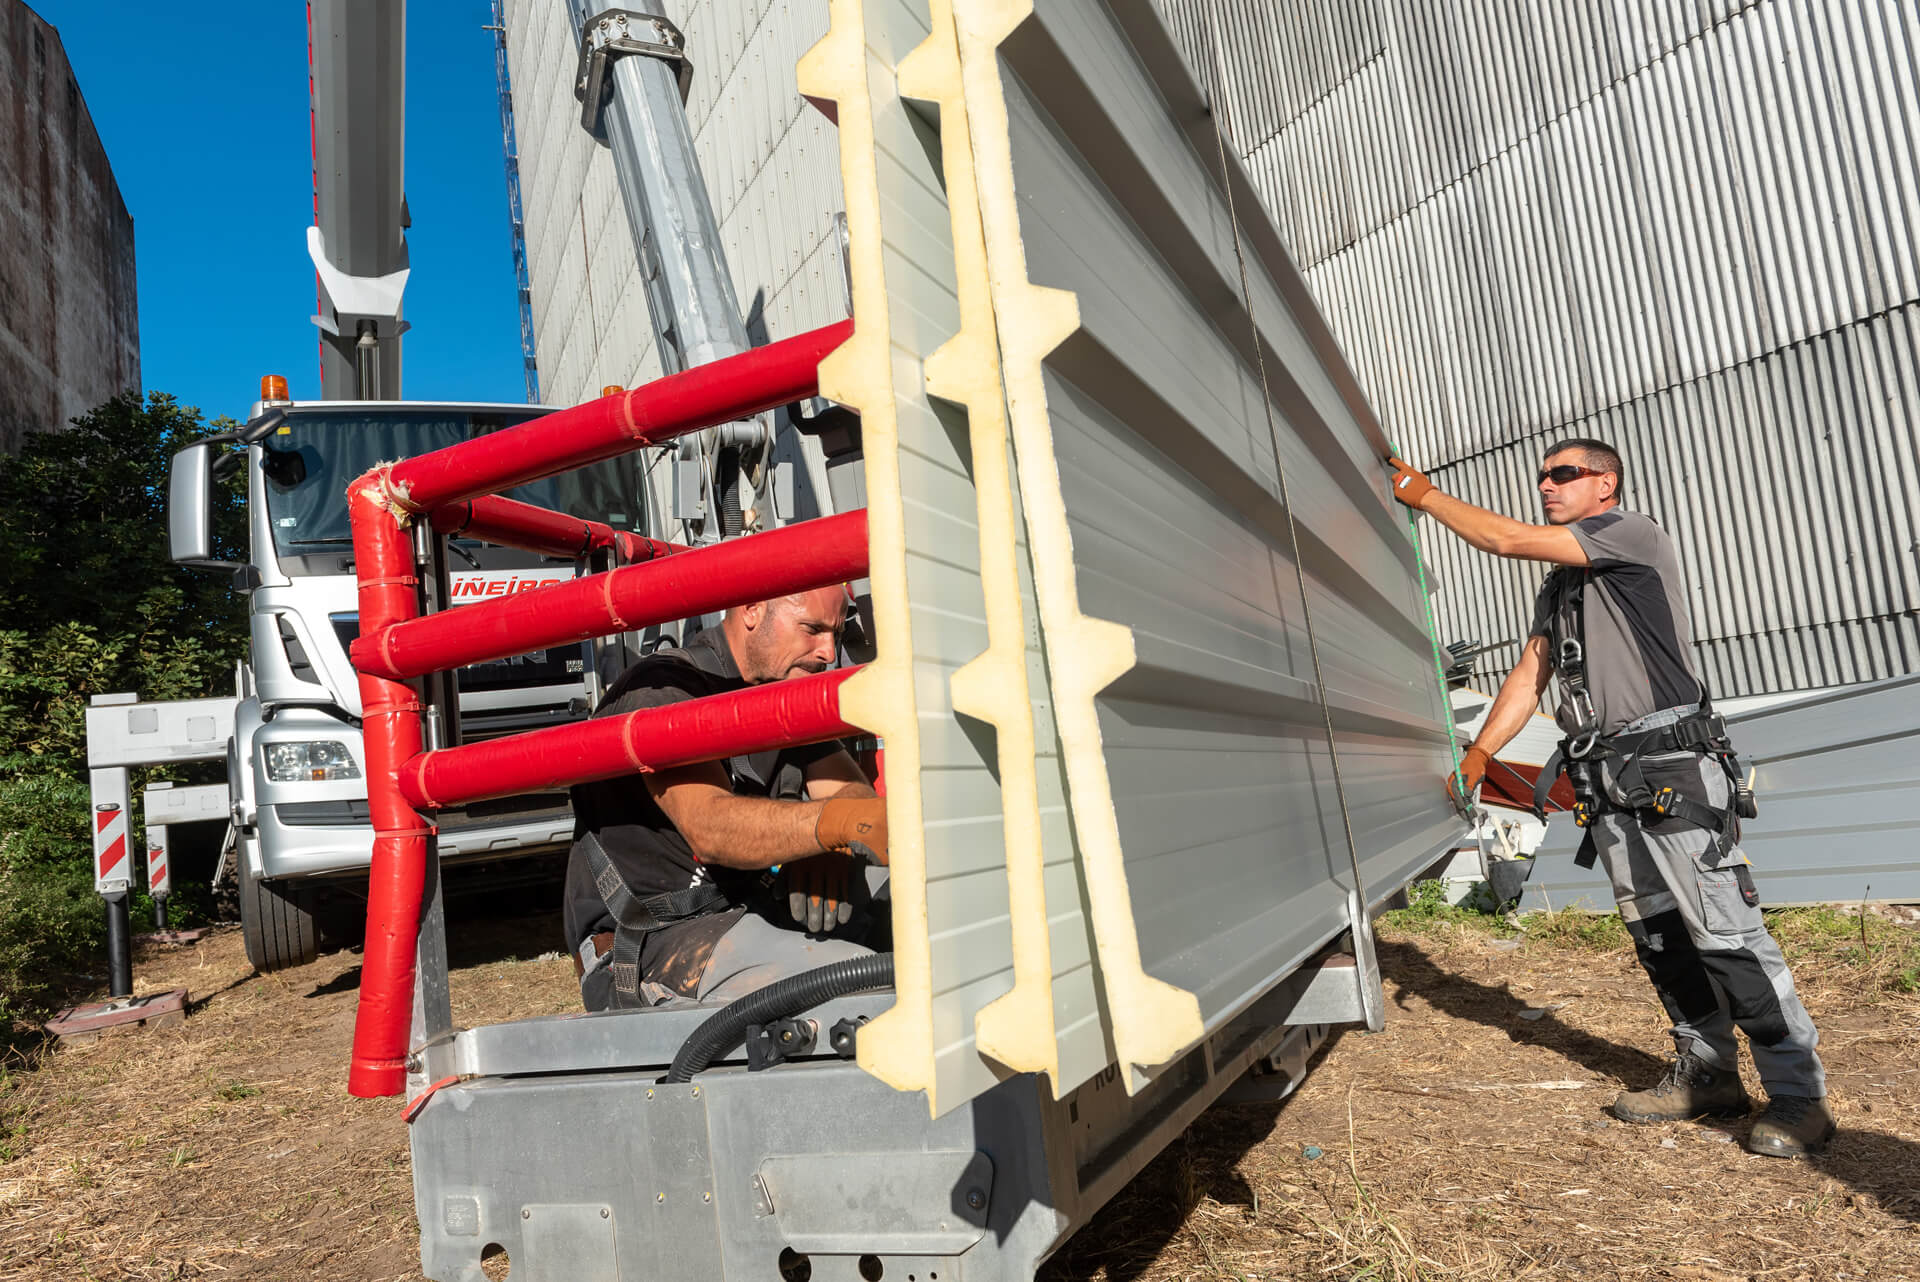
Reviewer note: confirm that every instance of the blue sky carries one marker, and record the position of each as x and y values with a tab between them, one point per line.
204	117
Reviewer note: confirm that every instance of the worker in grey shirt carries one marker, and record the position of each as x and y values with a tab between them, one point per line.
1653	775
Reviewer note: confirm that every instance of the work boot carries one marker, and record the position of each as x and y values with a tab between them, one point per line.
1792	1126
1692	1088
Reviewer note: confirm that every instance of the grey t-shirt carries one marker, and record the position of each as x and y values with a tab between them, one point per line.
1639	643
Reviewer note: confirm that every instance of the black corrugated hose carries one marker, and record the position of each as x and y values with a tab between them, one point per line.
728	1028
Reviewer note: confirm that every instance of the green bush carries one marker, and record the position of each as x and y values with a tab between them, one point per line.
90	603
50	919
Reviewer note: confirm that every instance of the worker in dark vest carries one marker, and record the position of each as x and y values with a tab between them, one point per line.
1657	787
670	887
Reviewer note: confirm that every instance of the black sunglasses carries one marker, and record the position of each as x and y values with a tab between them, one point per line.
1565	474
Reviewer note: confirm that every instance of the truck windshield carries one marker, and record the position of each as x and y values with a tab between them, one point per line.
311	460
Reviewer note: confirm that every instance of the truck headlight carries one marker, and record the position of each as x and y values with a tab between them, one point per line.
310	761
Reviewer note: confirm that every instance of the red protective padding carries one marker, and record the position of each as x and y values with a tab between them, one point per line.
795	558
780	714
721	391
1511	784
636	548
390	711
513	524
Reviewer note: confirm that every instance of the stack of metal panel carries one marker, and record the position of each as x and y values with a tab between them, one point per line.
1838	777
1154	674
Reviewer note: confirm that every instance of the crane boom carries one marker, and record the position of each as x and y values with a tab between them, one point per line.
358	242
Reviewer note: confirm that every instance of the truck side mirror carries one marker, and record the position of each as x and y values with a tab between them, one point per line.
189	506
189	521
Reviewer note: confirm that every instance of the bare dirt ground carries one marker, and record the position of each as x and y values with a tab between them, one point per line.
1468	1140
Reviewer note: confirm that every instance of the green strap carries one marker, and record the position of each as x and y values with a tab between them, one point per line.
1433	631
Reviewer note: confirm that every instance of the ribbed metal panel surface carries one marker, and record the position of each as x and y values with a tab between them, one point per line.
1198	369
1689	229
1838	777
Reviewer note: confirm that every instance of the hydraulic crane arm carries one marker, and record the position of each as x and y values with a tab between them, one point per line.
358	242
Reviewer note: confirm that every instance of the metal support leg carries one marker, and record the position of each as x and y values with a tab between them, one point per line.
432	992
119	946
1366	960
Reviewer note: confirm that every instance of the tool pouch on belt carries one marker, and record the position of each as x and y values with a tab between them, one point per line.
1670	793
636	918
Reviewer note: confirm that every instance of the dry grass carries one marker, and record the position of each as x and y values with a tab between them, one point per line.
1464	1142
228	1147
1469	1141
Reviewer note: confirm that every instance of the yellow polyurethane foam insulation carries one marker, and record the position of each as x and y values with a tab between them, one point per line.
896	1046
954	924
1152	1021
1018	1028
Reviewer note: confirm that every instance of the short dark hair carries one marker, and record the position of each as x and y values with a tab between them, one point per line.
1600	456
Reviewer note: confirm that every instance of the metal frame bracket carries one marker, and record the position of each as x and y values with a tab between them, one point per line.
612	34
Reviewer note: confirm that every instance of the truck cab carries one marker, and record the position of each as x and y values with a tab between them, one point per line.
296	765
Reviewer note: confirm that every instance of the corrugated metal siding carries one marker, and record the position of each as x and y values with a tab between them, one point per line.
1688	229
772	169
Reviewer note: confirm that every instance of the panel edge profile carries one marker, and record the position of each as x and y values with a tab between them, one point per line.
897	1046
1152	1021
1018	1028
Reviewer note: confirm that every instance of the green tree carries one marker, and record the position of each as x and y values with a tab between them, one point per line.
90	603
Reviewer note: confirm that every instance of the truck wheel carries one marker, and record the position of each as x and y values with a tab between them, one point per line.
276	919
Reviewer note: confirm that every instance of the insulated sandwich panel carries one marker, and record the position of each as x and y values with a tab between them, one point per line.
1050	1021
1219	570
938	609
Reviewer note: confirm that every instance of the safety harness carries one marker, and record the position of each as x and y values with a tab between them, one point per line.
1701	731
636	918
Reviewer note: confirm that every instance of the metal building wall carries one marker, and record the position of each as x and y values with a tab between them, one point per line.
771	164
1686	228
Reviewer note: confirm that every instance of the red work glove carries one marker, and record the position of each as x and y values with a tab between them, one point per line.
1464	782
854	826
1409	486
820	890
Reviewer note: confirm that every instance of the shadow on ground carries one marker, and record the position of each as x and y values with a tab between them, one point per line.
1128	1234
1885	1167
1462	998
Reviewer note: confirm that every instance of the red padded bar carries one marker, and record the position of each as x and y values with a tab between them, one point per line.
779	714
795	558
721	391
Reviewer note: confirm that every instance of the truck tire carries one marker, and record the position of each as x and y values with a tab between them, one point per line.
277	921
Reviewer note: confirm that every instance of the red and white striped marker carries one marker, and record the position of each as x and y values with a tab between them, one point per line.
159	867
110	844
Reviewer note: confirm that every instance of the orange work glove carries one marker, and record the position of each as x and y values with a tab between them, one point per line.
854	826
1462	784
1409	486
820	890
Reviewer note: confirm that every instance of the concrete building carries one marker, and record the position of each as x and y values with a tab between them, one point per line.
69	322
1687	228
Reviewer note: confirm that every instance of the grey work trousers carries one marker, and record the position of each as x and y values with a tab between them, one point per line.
1705	947
763	947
